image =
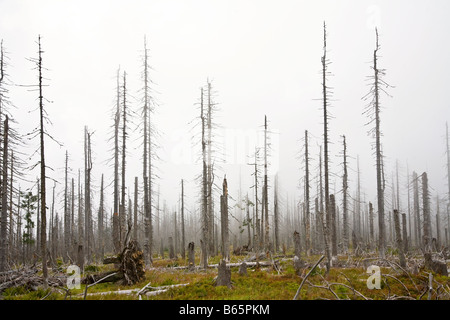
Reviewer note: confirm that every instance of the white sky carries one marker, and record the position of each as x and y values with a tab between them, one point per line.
263	58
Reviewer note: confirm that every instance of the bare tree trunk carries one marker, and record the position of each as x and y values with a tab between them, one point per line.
122	213
325	140
87	195
4	212
147	164
418	229
115	217
344	200
101	214
183	239
224	221
371	227
43	176
399	239
276	217
307	200
209	169
191	255
265	195
438	224
405	234
80	223
205	217
67	234
426	214
334	249
135	210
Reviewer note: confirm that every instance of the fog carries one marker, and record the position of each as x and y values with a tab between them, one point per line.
263	58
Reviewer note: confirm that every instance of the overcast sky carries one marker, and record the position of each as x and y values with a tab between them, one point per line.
263	58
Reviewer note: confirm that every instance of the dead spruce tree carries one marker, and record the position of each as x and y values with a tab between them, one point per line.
88	228
373	110
4	202
42	133
326	117
308	246
148	134
224	221
427	236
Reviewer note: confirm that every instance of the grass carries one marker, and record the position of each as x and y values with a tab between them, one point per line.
258	284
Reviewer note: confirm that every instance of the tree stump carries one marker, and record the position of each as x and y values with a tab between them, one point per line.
224	275
243	269
191	256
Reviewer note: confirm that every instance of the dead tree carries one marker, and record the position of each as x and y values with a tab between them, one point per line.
67	226
183	238
418	225
205	189
122	206
224	221
265	200
135	209
399	239
100	225
326	116
426	214
87	195
373	111
345	234
276	217
405	234
146	161
4	212
371	226
308	246
191	256
115	217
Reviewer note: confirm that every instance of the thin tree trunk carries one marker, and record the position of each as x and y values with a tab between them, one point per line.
115	218
43	176
418	225
67	234
426	214
307	200
224	221
101	214
4	212
183	239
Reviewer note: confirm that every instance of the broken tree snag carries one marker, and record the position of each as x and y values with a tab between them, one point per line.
243	269
224	275
171	249
399	239
298	263
191	256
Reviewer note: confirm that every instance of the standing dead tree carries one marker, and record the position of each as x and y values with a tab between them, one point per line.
87	196
308	246
373	111
326	116
426	214
224	221
4	202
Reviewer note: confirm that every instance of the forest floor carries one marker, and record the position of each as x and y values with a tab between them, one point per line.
347	280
